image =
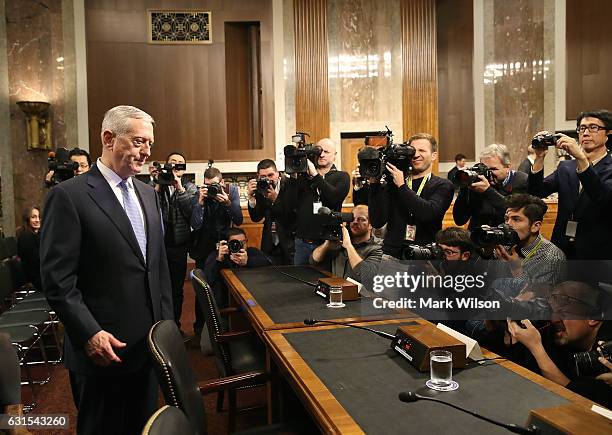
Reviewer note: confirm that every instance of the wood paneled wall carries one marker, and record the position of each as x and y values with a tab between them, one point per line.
311	82
419	68
589	60
181	86
455	34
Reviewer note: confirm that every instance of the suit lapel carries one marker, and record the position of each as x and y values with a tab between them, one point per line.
105	198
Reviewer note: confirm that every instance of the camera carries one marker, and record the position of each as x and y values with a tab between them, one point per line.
430	251
467	177
213	189
586	363
486	235
263	184
536	309
372	160
235	246
545	141
63	168
166	176
297	156
330	223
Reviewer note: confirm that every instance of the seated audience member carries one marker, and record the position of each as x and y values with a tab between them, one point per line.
582	229
223	258
577	326
28	245
459	164
358	244
534	259
484	202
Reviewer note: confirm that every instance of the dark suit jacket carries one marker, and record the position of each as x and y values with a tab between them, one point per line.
28	248
591	208
285	222
489	207
94	274
399	207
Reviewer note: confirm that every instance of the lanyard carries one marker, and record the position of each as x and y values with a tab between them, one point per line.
422	184
532	252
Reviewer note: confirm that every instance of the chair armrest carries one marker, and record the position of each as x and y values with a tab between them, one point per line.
231	336
229	311
235	381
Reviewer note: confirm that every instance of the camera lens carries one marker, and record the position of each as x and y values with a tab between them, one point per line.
234	246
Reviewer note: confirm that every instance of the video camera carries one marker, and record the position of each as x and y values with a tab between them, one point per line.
63	168
468	176
431	251
544	141
372	161
166	176
486	236
330	223
297	156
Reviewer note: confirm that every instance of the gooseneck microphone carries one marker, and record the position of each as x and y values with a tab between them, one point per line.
411	396
382	334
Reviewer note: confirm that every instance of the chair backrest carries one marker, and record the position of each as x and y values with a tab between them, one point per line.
10	375
174	373
206	299
168	420
6	284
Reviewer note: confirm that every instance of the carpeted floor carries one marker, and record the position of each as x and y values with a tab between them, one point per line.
55	397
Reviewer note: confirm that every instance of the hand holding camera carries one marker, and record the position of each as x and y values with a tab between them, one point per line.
527	334
481	185
252	187
399	179
222	250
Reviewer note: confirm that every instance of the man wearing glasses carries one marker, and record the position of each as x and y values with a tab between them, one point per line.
358	245
582	229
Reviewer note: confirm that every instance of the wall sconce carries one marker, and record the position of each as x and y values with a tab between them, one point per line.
38	123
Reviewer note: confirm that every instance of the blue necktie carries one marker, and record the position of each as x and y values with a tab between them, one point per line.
131	209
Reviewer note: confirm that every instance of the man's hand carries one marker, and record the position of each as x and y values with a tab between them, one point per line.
312	170
398	175
271	193
529	336
575	150
203	195
49	176
177	183
252	187
538	163
346	238
480	186
512	258
606	377
222	251
223	198
240	258
99	349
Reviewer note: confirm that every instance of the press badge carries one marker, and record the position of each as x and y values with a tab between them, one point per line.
571	228
316	206
410	232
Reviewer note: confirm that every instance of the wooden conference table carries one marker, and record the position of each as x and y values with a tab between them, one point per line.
349	380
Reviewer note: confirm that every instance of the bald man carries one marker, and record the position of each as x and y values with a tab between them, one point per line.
322	186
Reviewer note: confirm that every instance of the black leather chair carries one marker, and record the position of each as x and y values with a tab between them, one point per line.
168	420
235	352
178	382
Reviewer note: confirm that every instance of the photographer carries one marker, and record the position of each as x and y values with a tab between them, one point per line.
534	259
231	254
322	186
358	245
412	208
176	200
278	237
80	160
484	202
582	229
212	217
576	327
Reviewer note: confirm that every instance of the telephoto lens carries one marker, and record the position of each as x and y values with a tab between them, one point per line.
587	364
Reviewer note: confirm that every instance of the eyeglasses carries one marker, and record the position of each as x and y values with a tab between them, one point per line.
593	128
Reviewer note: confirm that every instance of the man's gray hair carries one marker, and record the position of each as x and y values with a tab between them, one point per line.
497	150
117	118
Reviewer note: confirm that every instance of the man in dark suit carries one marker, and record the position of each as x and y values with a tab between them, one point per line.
459	164
412	206
583	229
277	239
105	273
484	202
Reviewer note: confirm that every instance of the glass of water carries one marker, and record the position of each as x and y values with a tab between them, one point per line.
335	298
441	371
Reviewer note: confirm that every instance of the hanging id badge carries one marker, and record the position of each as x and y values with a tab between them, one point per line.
570	229
410	233
316	206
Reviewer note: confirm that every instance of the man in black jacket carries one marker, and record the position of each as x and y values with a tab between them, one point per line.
278	237
177	204
484	202
412	207
582	229
459	164
322	186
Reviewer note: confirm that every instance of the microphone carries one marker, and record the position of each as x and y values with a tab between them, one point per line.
382	334
411	396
